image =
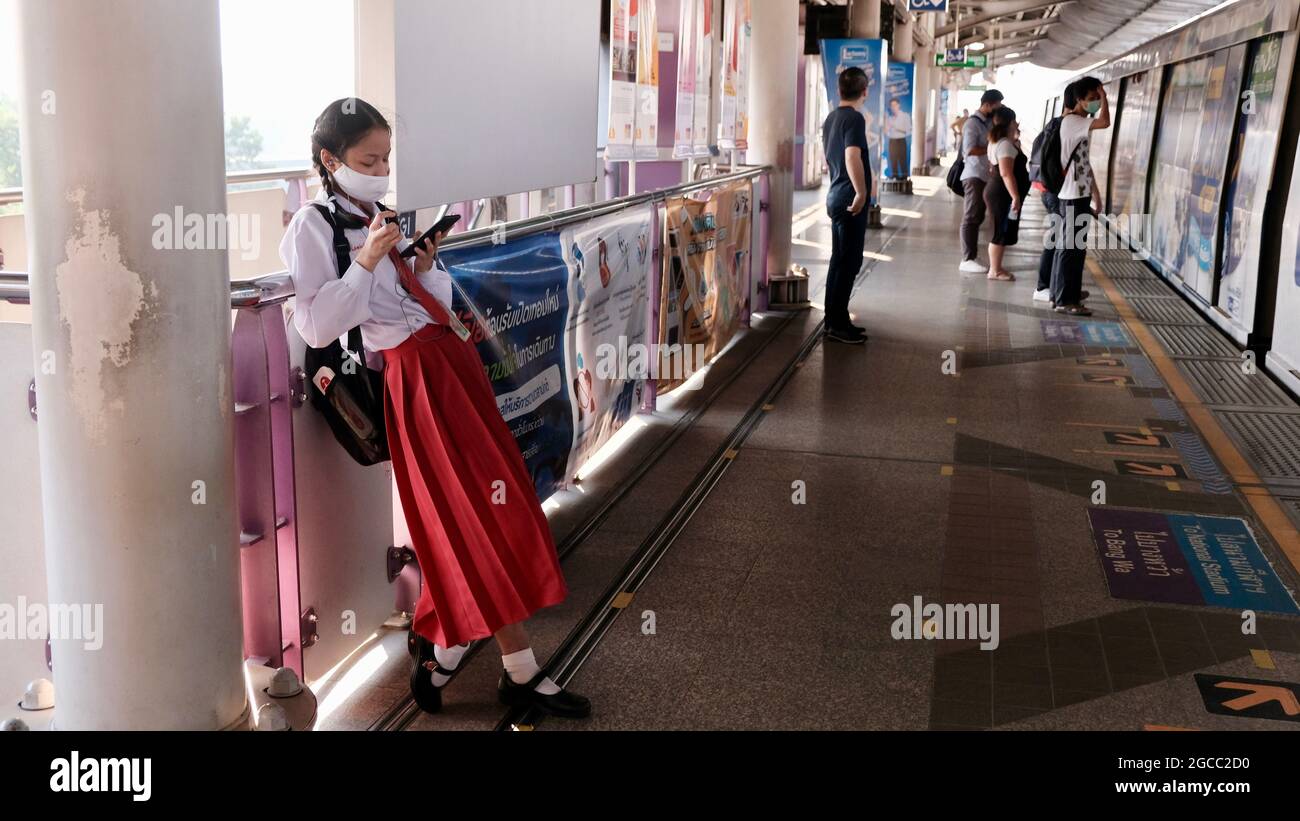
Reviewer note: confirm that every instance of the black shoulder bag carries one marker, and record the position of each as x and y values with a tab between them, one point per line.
342	387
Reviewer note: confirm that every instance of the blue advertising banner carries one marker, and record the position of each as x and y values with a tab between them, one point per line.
868	55
898	128
927	5
514	298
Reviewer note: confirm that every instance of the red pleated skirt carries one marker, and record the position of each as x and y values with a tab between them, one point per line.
484	545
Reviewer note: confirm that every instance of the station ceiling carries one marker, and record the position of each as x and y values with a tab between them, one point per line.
1065	34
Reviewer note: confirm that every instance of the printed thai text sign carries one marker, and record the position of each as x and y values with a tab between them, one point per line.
1211	561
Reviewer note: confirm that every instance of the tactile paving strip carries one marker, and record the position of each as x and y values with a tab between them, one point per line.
1271	439
1224	383
1166	311
1134	287
1194	341
1125	267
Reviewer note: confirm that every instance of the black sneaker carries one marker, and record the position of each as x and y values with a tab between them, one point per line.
846	337
561	705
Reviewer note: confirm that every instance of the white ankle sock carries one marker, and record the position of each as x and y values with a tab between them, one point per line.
522	668
448	660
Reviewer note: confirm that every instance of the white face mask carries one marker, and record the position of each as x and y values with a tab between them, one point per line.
361	186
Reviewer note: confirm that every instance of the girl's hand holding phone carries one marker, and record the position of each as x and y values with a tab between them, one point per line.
383	238
426	253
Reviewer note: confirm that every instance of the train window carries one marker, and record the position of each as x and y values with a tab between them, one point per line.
1132	153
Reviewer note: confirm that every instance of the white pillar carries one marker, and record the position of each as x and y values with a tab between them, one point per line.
864	18
121	129
773	84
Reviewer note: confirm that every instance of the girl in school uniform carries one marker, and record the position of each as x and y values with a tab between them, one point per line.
484	546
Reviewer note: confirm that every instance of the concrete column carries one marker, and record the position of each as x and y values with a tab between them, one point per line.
903	46
376	67
773	81
122	131
864	18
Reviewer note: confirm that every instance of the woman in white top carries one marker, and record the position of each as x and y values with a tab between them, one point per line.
1003	196
487	558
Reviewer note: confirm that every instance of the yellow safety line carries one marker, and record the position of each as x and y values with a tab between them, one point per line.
1270	513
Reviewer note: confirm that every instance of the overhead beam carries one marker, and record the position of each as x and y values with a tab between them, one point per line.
994	10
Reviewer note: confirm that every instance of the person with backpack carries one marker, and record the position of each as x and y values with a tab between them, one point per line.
974	177
1006	189
1067	173
485	550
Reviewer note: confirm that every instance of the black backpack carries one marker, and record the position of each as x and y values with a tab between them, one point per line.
1045	168
352	400
954	175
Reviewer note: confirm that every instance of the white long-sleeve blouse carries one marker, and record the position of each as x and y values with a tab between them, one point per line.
327	306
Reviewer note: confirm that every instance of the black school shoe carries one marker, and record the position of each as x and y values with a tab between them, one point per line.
561	705
427	697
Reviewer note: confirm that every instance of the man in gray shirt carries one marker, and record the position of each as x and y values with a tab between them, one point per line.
975	148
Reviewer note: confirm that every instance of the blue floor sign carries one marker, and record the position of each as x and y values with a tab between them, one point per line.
1111	334
1212	561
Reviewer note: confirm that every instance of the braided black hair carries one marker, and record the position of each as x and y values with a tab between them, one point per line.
342	125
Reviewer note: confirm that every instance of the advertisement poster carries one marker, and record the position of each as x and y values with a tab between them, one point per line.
606	344
1172	184
744	41
521	292
645	12
1209	163
687	50
730	75
868	55
1132	149
1207	561
705	31
623	49
1248	183
898	128
943	125
706	280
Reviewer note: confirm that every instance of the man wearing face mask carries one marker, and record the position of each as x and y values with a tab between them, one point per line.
1079	198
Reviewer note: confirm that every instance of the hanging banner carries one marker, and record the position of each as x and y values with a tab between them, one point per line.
927	5
706	279
704	61
606	342
520	297
898	126
727	125
645	12
734	129
744	44
870	56
623	80
687	51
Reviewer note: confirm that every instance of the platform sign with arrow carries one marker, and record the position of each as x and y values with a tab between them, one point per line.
1136	440
1250	698
1118	380
1151	470
1178	558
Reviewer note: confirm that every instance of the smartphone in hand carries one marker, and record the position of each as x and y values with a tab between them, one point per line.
444	225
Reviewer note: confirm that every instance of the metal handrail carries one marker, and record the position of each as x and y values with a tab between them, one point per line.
278	287
12	196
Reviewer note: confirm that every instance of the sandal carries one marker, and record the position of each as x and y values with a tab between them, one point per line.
1073	310
1004	276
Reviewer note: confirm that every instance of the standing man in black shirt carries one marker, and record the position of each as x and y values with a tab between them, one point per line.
845	139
